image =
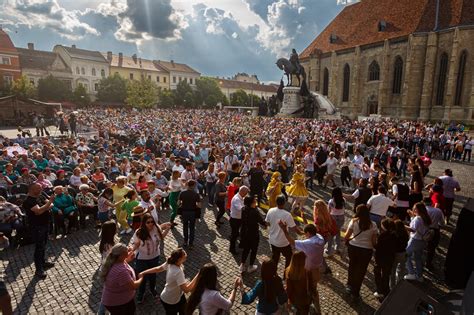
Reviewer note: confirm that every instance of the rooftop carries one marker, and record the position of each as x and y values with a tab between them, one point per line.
358	24
37	59
132	62
6	44
83	53
233	84
174	66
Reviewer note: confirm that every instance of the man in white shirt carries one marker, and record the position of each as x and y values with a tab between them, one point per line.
276	236
378	205
309	161
229	160
236	206
148	204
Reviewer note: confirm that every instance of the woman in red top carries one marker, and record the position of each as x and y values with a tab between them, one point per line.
232	189
142	184
437	197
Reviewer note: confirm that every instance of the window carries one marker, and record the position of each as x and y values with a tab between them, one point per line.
460	78
78	71
374	71
131	76
180	79
93	72
397	75
157	79
96	87
164	79
346	82
443	70
6	61
149	77
83	71
102	73
7	80
190	80
326	82
174	79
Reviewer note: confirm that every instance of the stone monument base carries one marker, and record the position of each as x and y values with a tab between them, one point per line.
291	102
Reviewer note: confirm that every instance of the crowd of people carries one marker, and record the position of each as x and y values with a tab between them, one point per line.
247	170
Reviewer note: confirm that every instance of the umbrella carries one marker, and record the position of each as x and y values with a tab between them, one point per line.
16	148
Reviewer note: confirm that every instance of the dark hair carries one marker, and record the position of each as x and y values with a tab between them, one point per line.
130	193
363	214
382	189
107	192
423	213
280	200
338	198
401	231
175	256
206	279
107	235
388	224
248	200
269	279
311	229
142	233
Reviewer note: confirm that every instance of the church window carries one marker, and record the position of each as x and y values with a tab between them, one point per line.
443	70
374	71
102	73
346	82
460	78
397	75
83	71
78	71
326	82
93	72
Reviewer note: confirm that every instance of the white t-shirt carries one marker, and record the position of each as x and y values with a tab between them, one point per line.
276	237
379	204
172	292
333	210
212	301
331	163
150	248
236	206
363	239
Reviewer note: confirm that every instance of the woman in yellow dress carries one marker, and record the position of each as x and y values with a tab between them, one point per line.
297	189
274	189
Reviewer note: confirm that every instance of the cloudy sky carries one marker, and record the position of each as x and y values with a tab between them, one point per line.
216	37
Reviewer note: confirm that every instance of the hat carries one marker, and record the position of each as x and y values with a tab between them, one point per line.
138	211
24	170
59	171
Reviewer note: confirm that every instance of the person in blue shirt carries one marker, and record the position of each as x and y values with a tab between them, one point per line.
270	291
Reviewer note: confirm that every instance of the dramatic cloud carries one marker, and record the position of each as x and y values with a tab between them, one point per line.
260	7
143	19
45	14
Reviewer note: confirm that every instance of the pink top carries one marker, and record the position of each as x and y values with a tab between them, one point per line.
116	287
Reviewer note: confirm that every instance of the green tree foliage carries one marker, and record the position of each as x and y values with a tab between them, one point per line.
166	98
184	95
141	94
255	102
22	88
52	89
240	98
112	89
208	93
80	96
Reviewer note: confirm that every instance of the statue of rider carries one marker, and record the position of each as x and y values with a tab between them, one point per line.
295	60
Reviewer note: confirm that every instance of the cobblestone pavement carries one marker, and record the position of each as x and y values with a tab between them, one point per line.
72	286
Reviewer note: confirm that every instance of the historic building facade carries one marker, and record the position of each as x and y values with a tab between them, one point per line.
395	58
9	61
178	72
229	87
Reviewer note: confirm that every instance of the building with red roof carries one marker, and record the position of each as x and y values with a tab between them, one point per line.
9	60
410	59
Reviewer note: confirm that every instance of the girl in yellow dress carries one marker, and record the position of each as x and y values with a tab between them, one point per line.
297	188
274	189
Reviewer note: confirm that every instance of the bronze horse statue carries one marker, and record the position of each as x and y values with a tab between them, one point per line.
285	65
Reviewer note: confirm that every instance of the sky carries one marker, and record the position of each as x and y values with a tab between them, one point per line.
216	37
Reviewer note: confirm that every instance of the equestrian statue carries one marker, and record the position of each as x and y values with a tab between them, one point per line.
292	67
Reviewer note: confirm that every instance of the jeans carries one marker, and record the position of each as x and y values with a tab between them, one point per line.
415	252
234	232
174	309
40	237
210	192
468	154
337	238
431	247
376	218
285	251
189	224
142	265
398	269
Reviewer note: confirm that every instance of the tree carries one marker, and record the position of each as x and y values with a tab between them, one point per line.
112	89
80	96
239	98
166	98
208	92
255	102
52	89
22	88
184	95
142	94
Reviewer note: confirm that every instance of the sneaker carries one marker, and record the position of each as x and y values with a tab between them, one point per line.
378	295
252	268
48	265
242	268
410	277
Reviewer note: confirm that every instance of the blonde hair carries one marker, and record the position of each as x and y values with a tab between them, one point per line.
296	270
324	218
115	253
237	181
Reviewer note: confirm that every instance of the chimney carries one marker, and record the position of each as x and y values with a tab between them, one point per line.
31	46
73	46
140	61
109	56
134	57
120	56
172	63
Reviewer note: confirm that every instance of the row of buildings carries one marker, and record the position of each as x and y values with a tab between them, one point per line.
76	66
410	59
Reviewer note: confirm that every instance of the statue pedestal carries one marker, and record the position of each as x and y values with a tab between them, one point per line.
291	102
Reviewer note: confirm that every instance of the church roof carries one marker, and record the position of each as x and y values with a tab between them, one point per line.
37	59
358	24
6	44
